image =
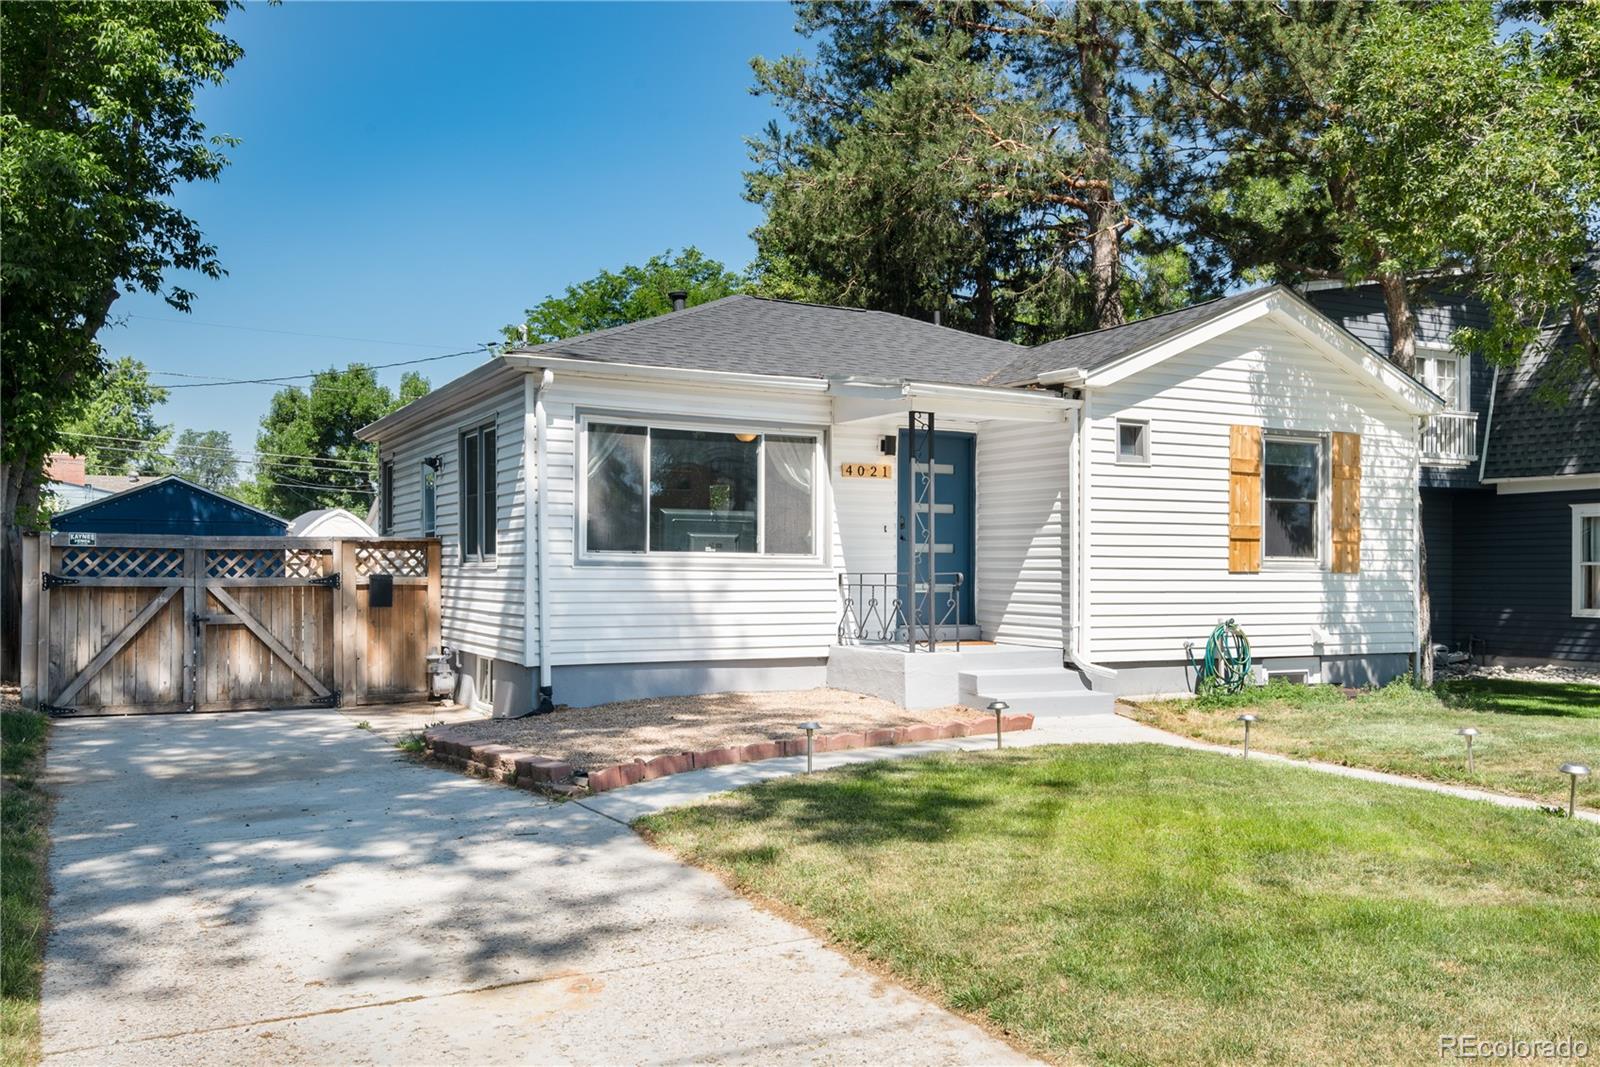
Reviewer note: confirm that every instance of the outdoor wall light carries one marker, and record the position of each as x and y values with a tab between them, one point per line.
810	728
1573	771
1247	719
1469	732
434	462
999	708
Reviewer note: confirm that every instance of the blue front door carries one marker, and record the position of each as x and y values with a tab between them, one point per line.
954	502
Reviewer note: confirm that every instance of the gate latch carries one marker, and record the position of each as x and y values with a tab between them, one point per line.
53	580
330	581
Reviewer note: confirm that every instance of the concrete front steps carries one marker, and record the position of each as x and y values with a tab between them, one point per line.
1033	682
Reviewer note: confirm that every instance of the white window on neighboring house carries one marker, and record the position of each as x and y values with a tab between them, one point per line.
1446	373
1133	441
1586	560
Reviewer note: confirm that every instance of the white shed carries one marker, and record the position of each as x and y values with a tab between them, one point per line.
329	522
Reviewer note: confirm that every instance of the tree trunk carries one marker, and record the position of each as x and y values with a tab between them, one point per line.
23	482
1402	322
1403	354
1096	56
983	302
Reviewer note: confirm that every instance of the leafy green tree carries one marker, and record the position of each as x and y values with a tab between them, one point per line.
114	428
309	455
965	158
1477	149
97	129
615	298
206	457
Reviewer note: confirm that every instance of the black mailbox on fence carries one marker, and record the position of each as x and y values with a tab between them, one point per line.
380	591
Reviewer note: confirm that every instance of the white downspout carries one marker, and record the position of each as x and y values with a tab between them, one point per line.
1080	650
537	638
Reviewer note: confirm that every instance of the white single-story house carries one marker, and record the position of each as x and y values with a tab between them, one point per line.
738	496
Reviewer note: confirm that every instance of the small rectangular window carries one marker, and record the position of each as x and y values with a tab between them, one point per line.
1441	372
430	478
476	488
1292	495
386	497
1133	441
1586	560
616	488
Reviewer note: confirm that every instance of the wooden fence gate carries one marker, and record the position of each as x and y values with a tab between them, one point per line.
127	624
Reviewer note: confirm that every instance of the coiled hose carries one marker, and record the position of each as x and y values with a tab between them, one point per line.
1226	667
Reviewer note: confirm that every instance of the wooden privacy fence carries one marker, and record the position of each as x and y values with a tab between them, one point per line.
128	623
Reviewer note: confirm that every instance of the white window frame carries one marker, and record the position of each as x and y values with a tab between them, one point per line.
486	519
1143	458
386	497
1435	351
1324	519
428	517
1580	512
483	683
820	482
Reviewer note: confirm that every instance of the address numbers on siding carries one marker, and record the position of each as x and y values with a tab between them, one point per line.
866	470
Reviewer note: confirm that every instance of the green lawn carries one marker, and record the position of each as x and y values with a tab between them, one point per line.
24	812
1141	904
1526	730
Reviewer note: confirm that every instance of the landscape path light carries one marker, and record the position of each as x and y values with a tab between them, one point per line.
1247	719
810	728
1469	732
999	708
1573	771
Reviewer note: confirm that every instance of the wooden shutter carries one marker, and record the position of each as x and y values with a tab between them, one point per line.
1244	499
1346	503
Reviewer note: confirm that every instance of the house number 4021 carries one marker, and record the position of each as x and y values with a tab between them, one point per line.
867	470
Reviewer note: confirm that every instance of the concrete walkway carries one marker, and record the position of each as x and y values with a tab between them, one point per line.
281	887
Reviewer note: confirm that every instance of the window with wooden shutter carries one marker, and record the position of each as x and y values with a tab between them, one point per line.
1346	503
1244	499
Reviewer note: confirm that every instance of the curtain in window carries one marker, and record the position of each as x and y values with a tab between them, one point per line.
616	487
790	472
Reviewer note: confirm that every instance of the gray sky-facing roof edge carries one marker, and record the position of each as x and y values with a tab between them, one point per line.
755	335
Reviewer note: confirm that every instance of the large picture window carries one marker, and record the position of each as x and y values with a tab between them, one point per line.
663	489
476	486
1292	498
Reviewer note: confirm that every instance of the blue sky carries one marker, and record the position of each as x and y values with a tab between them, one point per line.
420	173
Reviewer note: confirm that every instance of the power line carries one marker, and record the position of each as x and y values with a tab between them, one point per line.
150	443
286	333
313	374
267	462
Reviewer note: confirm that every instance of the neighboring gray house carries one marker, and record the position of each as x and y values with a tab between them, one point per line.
757	494
1510	483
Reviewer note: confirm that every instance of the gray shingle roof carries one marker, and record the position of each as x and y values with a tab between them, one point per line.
1547	414
1096	348
752	335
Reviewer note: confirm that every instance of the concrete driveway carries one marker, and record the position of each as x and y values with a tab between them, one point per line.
283	887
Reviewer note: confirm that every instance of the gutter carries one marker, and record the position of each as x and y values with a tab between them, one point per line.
640	372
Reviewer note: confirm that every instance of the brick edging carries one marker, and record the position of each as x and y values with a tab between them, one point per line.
545	774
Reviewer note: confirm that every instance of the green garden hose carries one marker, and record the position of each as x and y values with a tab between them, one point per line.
1226	668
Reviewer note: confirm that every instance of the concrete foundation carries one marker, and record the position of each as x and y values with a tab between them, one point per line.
515	687
924	679
586	686
1175	679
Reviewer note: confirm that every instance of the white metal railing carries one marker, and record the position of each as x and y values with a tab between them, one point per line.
1450	437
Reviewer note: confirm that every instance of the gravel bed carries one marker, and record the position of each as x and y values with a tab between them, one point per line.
643	729
1544	672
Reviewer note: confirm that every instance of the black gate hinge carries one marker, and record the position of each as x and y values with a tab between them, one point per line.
332	700
330	581
53	580
55	710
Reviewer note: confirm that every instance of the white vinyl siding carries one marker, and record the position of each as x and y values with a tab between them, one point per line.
1158	535
713	606
1022	549
482	602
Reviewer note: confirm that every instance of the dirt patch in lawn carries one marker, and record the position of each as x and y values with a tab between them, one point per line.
643	729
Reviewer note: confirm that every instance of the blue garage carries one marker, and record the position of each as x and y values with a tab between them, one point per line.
170	506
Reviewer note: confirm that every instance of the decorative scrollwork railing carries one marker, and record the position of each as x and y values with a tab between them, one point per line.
874	609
